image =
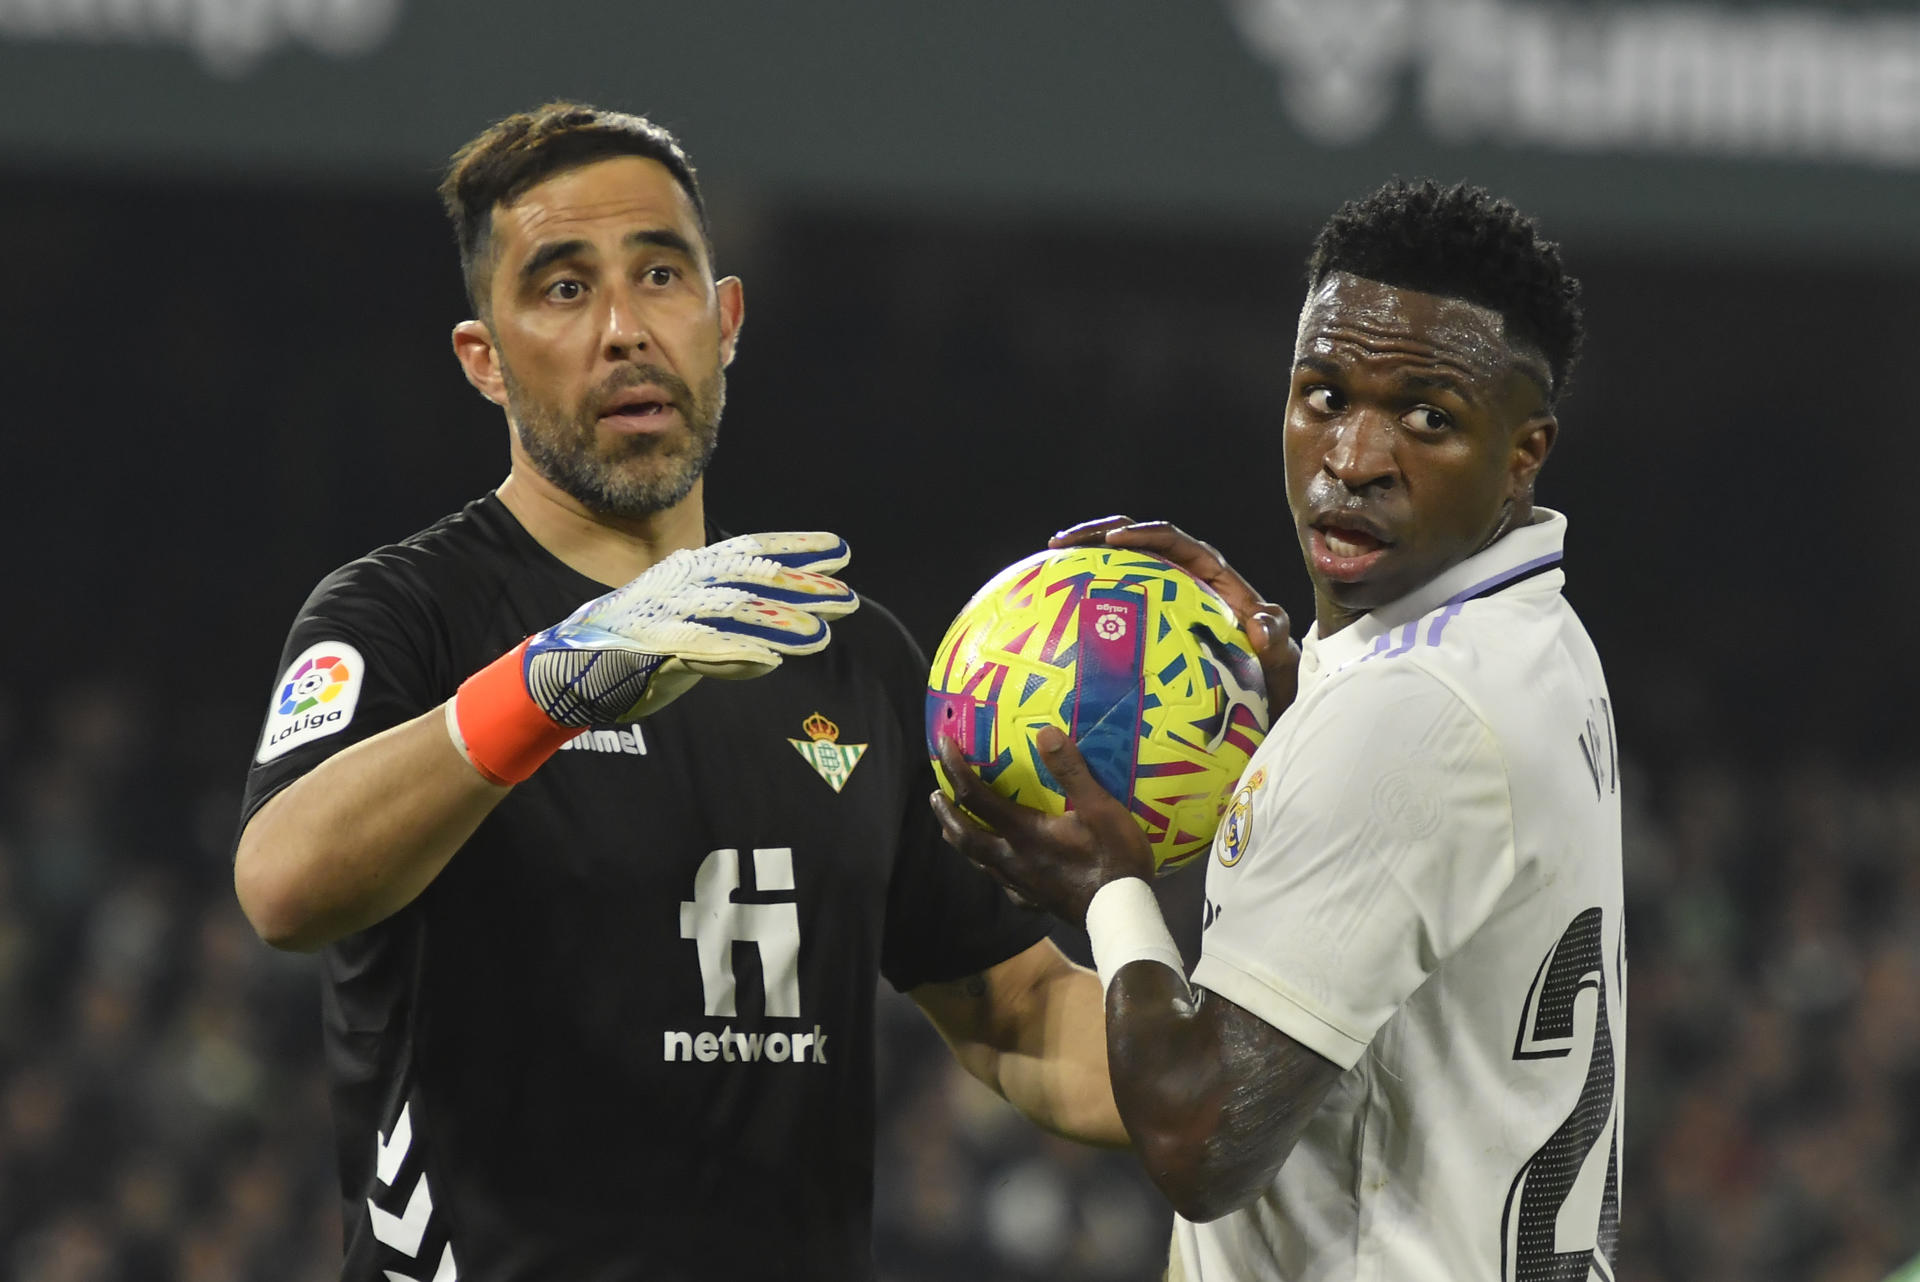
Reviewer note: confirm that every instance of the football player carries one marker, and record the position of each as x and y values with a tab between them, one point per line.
1400	1053
602	838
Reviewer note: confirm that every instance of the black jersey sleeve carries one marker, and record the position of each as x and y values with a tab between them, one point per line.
946	919
363	655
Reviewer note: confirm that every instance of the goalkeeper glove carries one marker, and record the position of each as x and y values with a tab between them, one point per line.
731	610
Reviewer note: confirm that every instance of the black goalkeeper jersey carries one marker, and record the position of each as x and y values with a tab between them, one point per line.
627	1032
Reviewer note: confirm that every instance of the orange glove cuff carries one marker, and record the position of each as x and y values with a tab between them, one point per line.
496	723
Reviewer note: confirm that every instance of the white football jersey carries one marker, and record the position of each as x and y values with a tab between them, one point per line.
1419	878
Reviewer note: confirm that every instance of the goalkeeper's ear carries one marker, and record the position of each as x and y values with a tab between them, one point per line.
730	301
480	359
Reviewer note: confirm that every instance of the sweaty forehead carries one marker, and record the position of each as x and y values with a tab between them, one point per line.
604	199
1352	319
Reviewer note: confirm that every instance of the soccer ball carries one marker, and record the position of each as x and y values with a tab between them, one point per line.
1136	660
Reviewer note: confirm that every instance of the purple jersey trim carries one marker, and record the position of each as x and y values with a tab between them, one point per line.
1525	570
1383	645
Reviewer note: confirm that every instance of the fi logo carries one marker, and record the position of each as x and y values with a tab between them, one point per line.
315	698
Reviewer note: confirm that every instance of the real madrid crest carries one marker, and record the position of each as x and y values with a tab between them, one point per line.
831	760
1238	829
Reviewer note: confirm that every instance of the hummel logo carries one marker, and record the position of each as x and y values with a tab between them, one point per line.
632	741
1340	59
1789	80
392	1149
403	1232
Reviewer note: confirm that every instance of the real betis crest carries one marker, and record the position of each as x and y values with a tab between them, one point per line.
830	759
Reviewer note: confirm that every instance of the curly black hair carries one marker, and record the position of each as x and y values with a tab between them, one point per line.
1461	242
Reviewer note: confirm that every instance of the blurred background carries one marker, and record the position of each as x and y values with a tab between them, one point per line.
1009	264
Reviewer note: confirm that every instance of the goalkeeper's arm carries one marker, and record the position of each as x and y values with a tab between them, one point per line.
359	836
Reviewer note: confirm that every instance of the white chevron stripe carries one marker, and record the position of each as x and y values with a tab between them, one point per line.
403	1232
445	1273
392	1149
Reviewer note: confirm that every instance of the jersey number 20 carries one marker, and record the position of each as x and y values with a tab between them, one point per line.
1537	1215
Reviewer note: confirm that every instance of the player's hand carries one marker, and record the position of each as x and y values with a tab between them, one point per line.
732	610
1265	623
1055	862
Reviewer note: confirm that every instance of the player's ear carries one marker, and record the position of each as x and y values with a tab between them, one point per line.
733	313
1532	442
480	359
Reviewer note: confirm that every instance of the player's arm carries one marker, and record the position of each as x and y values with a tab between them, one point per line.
359	836
1213	1097
1265	623
1031	1028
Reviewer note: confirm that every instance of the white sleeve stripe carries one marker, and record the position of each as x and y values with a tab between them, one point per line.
1286	1011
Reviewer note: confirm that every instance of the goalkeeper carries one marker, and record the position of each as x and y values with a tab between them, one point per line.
601	903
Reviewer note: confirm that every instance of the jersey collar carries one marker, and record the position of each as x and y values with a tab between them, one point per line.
1532	551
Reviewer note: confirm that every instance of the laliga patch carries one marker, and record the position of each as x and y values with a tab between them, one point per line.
314	699
831	760
1237	831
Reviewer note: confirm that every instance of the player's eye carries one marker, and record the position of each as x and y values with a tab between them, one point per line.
566	291
1425	418
1322	400
662	275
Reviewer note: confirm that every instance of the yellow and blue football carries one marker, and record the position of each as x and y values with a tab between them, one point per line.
1140	663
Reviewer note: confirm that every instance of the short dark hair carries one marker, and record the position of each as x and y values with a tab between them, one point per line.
516	154
1461	242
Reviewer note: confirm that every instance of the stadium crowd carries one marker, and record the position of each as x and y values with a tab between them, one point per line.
163	1116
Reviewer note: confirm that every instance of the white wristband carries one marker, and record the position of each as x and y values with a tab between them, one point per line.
453	729
1124	925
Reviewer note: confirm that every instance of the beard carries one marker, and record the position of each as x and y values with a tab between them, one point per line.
627	476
